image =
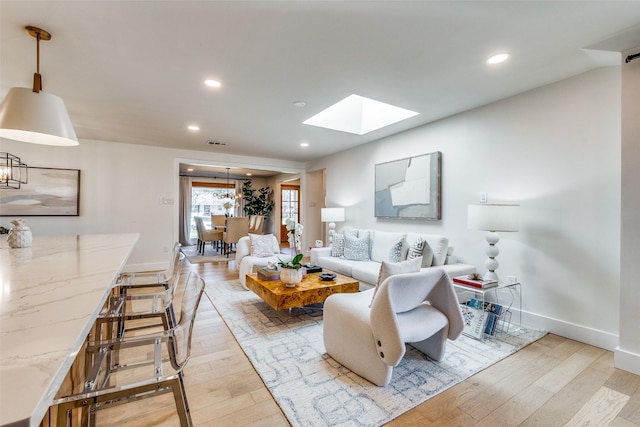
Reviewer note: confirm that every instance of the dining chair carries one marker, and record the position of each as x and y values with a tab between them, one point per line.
147	366
237	227
256	223
218	221
206	235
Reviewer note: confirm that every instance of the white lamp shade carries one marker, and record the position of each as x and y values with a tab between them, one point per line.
332	214
493	217
38	118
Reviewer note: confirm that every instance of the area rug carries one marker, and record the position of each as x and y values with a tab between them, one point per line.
287	351
194	257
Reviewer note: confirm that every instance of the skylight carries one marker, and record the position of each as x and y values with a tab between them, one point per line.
359	115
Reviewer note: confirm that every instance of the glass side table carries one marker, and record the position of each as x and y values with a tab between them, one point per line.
505	295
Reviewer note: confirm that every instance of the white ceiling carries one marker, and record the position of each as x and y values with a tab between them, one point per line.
133	71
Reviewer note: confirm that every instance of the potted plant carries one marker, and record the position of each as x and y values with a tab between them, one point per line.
291	271
257	202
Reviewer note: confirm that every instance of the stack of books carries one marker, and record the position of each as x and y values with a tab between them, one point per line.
475	283
265	274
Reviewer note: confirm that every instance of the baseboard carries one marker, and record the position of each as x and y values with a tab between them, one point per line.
626	360
150	266
594	337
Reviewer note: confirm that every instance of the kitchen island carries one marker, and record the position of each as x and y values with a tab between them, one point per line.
50	295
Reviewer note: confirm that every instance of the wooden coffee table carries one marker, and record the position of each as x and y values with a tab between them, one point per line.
311	290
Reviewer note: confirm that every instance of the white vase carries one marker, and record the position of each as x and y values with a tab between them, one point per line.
290	276
19	235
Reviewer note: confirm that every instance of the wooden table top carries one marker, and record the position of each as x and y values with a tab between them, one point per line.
311	290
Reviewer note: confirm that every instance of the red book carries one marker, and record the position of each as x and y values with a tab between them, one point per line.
480	284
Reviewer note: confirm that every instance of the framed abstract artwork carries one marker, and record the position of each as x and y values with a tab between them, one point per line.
48	192
409	188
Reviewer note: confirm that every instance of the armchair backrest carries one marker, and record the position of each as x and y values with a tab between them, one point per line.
404	292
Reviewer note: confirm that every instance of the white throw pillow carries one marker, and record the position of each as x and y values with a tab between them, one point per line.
391	268
386	246
262	245
420	248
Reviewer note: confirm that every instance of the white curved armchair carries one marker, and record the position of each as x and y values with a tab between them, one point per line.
245	261
417	308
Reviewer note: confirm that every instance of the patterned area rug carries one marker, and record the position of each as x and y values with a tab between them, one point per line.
210	255
312	389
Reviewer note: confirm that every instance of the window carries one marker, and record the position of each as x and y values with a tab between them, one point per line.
211	199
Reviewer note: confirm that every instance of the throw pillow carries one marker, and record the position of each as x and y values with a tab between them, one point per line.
395	253
420	248
337	247
391	268
356	247
261	245
384	246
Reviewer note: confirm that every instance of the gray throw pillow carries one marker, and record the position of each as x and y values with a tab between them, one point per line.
356	247
337	247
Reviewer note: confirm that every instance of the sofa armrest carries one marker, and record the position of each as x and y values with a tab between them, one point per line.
317	253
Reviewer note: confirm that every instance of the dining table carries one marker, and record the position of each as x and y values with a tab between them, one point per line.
50	296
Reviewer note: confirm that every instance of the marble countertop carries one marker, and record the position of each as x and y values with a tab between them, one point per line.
50	295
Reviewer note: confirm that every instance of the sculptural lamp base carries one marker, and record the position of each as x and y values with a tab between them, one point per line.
493	218
491	264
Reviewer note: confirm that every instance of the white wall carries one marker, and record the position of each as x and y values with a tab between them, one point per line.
555	151
627	355
121	186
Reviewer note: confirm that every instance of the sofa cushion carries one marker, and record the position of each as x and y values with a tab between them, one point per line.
386	246
339	265
356	247
420	248
365	271
390	268
438	244
263	245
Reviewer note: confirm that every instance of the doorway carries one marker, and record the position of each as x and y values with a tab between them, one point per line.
290	208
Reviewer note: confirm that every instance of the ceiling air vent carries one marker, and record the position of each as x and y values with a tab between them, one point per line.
217	143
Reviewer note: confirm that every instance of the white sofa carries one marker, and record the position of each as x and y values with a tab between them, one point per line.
245	260
380	243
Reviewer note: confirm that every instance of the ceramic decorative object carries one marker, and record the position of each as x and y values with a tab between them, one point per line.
19	235
291	276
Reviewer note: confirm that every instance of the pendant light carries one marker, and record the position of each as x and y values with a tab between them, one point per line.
30	115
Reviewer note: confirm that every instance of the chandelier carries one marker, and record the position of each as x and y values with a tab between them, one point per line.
228	194
13	172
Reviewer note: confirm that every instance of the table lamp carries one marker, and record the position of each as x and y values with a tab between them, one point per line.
332	215
493	218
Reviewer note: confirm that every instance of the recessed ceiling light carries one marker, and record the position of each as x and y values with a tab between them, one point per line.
359	115
193	127
212	83
304	144
299	104
190	170
496	59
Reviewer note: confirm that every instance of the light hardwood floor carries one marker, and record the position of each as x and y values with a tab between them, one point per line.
552	382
